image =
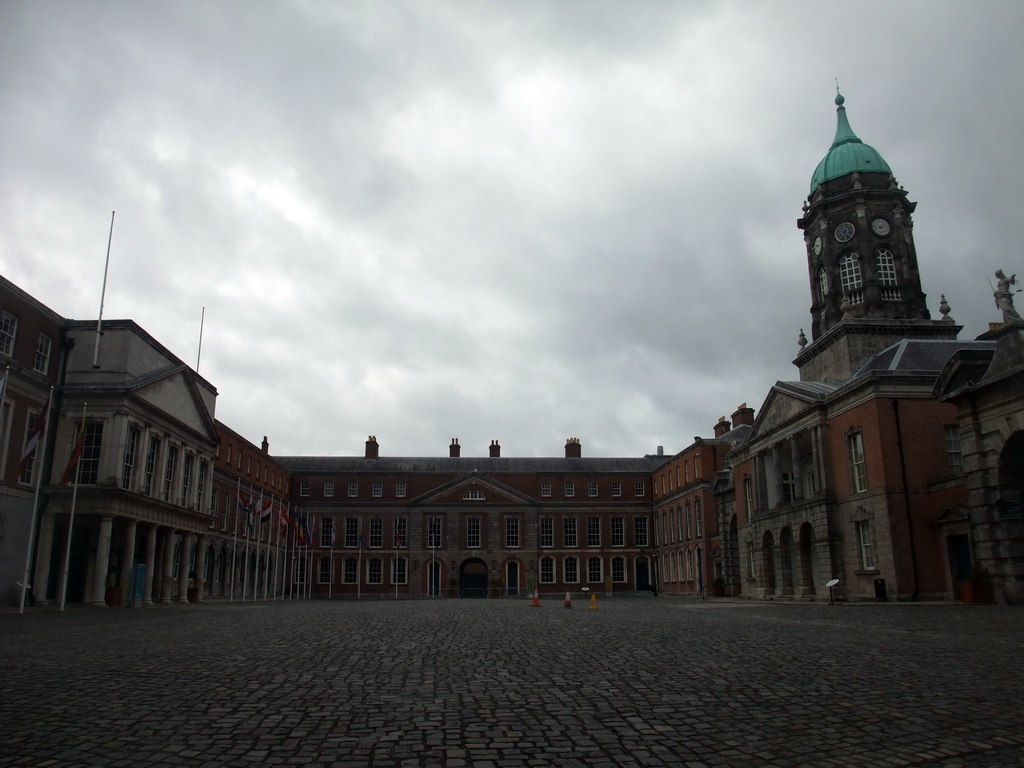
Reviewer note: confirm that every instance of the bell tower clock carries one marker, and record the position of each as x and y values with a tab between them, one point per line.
861	260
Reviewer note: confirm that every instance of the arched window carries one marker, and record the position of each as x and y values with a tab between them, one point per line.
849	272
886	265
823	282
689	565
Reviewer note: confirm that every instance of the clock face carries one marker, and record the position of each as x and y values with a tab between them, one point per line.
880	227
845	231
817	246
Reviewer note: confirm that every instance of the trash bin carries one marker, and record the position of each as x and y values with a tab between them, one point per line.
880	594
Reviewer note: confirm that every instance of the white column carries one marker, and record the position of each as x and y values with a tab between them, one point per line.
150	563
99	572
201	546
128	563
186	556
166	582
41	581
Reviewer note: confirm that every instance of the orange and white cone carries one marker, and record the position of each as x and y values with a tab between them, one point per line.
568	600
536	598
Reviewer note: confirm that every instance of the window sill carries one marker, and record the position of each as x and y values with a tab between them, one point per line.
867	572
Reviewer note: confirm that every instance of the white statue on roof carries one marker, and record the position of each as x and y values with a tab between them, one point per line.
1004	297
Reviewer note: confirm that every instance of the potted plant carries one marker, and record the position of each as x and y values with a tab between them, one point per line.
978	588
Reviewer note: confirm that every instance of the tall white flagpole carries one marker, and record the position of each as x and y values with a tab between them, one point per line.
71	523
234	550
103	294
277	542
309	558
266	545
245	557
39	462
199	353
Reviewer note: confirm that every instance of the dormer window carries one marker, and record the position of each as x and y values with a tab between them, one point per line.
474	495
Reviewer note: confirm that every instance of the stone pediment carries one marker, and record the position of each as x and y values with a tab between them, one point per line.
784	402
474	489
175	395
952	514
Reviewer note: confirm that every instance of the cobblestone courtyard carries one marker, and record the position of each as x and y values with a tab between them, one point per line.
492	683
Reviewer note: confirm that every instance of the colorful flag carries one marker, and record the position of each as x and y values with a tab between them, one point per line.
36	437
76	454
283	520
247	504
303	532
268	510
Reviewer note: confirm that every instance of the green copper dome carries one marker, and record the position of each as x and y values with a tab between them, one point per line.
847	153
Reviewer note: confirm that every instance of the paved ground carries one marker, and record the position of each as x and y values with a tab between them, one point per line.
492	683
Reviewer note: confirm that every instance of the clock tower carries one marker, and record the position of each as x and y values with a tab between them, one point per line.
861	261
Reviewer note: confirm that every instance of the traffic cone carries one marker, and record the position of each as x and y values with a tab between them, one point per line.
536	598
568	601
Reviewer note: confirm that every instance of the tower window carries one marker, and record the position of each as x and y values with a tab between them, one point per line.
823	281
849	272
886	266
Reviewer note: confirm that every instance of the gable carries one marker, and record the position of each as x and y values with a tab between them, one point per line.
474	490
778	408
174	396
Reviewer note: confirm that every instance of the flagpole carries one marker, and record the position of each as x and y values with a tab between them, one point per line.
103	294
330	584
234	550
71	523
266	547
245	563
359	565
309	557
199	353
41	455
288	571
276	554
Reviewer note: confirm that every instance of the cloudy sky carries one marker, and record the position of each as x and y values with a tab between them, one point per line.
488	220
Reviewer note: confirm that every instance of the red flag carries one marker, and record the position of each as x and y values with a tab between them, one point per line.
76	454
283	520
36	437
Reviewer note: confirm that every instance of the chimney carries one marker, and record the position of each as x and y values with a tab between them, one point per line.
743	415
454	449
372	449
266	445
495	449
721	427
573	449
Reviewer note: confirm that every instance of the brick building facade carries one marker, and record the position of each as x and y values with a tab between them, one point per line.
891	468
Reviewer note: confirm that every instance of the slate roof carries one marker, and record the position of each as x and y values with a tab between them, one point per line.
463	464
916	356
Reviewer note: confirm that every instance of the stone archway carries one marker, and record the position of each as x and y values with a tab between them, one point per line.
1011	478
767	580
807	561
786	560
473	578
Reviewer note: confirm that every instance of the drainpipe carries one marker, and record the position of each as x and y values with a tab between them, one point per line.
906	497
